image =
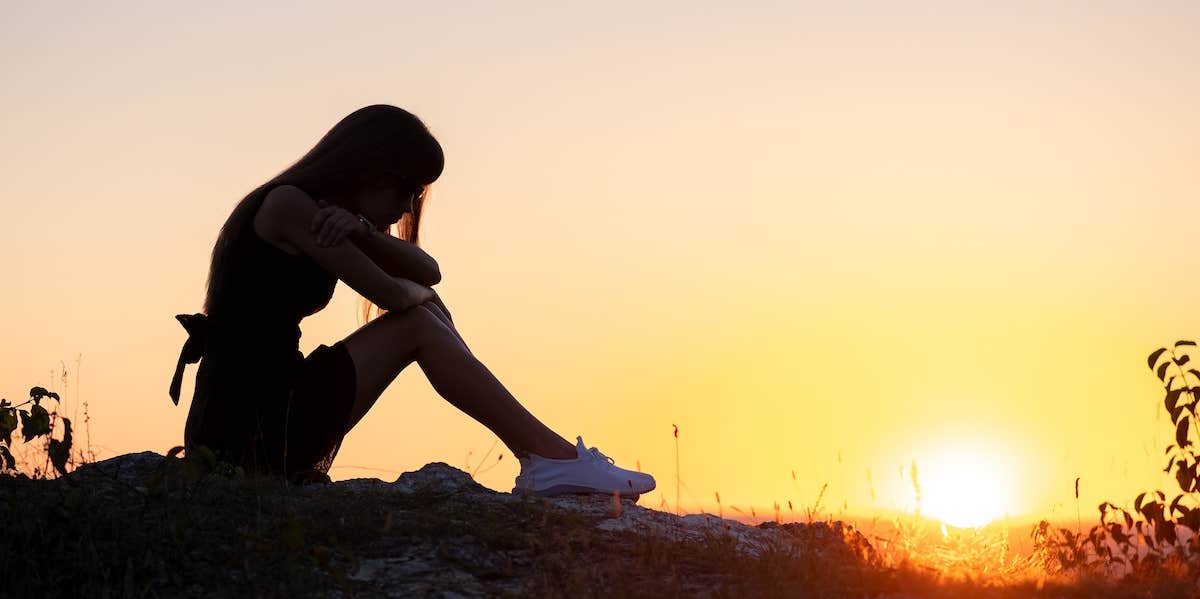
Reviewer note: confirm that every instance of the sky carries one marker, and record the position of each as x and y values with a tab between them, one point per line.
825	242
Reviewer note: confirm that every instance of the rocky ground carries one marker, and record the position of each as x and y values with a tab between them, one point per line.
467	565
146	525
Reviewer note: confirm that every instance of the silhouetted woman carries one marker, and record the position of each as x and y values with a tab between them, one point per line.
259	402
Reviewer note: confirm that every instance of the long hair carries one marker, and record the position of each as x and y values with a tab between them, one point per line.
365	145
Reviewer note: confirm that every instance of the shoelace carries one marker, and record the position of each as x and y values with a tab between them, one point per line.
596	453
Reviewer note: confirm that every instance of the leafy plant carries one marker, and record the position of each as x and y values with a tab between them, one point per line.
36	421
1156	535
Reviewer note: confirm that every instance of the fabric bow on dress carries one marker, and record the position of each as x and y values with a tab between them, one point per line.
193	349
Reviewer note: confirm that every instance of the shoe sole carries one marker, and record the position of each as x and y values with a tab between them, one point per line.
576	490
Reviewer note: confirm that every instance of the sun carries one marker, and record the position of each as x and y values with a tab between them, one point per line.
964	487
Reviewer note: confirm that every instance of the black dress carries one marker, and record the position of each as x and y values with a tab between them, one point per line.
258	401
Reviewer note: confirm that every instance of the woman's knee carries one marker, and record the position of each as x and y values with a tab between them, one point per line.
419	321
439	312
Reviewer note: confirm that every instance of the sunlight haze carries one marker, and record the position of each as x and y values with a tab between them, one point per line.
822	241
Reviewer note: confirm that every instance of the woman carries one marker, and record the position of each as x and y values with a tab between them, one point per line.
259	402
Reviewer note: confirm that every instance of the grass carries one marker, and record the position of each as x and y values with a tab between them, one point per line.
215	536
190	531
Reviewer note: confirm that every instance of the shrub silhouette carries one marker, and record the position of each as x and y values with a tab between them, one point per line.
35	422
1157	536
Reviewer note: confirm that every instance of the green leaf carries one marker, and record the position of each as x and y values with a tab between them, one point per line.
1175	503
35	422
1162	370
1164	532
1191	518
1152	512
1182	343
1153	359
7	462
37	393
8	424
1171	400
60	451
58	456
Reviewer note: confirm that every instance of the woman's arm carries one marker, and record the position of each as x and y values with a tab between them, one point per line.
399	258
287	213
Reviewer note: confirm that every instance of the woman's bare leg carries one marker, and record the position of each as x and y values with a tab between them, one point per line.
385	346
439	309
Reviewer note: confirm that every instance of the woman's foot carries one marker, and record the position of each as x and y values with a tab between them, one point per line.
588	472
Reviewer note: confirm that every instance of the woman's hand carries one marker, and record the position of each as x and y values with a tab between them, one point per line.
415	293
331	224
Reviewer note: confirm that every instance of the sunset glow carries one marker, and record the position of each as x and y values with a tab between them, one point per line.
965	488
820	238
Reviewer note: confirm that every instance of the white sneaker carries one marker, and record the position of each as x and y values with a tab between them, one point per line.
591	472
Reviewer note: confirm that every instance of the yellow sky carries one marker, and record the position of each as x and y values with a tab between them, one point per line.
818	240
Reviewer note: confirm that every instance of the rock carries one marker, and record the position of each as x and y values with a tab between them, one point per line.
362	485
418	571
132	468
435	532
624	515
439	479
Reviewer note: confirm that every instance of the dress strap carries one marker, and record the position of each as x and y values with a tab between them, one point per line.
197	326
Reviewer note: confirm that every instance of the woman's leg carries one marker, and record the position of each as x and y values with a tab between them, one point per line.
439	309
385	346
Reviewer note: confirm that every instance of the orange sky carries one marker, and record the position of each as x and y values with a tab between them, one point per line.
819	240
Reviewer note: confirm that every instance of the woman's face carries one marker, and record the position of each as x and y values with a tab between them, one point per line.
388	200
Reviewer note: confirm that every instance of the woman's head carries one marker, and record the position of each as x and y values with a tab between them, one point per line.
373	153
378	161
386	201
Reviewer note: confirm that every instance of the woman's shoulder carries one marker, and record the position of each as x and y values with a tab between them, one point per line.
286	194
284	206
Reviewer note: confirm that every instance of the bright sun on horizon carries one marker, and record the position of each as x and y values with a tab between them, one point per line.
823	240
965	487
